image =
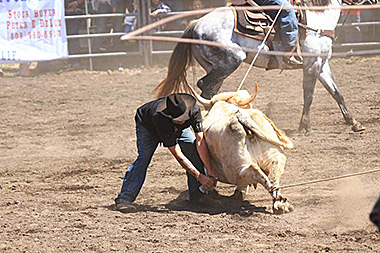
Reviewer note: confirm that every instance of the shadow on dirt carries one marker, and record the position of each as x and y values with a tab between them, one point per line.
228	206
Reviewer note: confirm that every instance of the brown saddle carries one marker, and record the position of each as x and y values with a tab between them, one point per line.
253	24
256	24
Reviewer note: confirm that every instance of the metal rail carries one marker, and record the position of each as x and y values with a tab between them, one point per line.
90	54
145	48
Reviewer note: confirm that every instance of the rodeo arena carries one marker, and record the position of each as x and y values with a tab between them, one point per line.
190	126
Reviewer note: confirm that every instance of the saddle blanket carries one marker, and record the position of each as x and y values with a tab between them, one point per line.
253	24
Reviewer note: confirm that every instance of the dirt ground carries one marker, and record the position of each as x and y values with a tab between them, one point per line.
66	140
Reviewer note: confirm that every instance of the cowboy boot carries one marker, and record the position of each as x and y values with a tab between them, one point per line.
290	56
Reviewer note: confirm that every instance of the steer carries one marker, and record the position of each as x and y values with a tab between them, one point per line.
246	148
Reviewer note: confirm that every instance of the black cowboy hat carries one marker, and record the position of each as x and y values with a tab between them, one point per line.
177	106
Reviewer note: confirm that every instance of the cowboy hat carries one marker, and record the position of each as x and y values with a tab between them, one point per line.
177	106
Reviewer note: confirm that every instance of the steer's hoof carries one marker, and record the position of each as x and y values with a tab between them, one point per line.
357	127
282	206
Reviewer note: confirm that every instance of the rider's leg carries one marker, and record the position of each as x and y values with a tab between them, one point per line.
288	27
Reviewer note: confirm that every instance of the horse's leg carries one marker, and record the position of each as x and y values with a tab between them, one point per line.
200	58
325	77
311	69
223	62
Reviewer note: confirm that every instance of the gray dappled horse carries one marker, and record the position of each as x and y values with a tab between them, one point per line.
220	62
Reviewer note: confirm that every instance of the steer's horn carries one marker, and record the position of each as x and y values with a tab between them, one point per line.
203	101
248	100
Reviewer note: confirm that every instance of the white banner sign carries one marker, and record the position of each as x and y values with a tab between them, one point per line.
32	30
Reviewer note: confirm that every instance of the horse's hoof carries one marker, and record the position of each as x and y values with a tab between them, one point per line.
303	126
357	127
309	132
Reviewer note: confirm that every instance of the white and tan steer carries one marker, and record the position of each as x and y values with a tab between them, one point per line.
245	146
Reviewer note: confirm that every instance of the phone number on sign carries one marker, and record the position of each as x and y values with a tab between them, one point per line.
34	35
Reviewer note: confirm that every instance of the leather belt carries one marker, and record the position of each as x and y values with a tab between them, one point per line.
328	33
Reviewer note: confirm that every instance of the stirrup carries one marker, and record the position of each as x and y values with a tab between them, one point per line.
292	60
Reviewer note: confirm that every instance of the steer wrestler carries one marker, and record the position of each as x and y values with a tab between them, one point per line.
167	120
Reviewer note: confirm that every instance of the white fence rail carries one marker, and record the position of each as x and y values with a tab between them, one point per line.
146	48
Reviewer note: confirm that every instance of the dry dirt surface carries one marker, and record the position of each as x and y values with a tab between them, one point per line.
66	140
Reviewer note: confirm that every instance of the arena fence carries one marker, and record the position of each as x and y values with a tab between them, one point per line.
146	48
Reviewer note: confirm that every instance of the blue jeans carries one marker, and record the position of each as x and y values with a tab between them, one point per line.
287	20
147	144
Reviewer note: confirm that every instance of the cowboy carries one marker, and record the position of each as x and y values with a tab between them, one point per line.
167	120
288	27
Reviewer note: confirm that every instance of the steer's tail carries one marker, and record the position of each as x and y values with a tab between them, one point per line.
179	62
280	134
249	123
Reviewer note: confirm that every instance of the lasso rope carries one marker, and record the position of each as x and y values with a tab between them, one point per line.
261	47
329	179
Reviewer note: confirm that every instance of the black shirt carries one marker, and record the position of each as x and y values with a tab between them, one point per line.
163	127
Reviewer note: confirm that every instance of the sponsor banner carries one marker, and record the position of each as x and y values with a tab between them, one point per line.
32	30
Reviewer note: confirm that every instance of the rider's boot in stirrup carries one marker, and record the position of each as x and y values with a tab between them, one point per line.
290	57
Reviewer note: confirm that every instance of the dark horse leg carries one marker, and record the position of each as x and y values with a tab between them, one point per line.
222	63
325	77
316	68
311	69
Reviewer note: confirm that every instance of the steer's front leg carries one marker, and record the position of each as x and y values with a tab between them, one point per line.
280	204
276	165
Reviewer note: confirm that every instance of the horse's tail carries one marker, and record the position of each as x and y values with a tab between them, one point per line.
179	62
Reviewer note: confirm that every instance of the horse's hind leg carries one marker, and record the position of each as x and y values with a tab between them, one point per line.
311	69
325	77
222	62
206	65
